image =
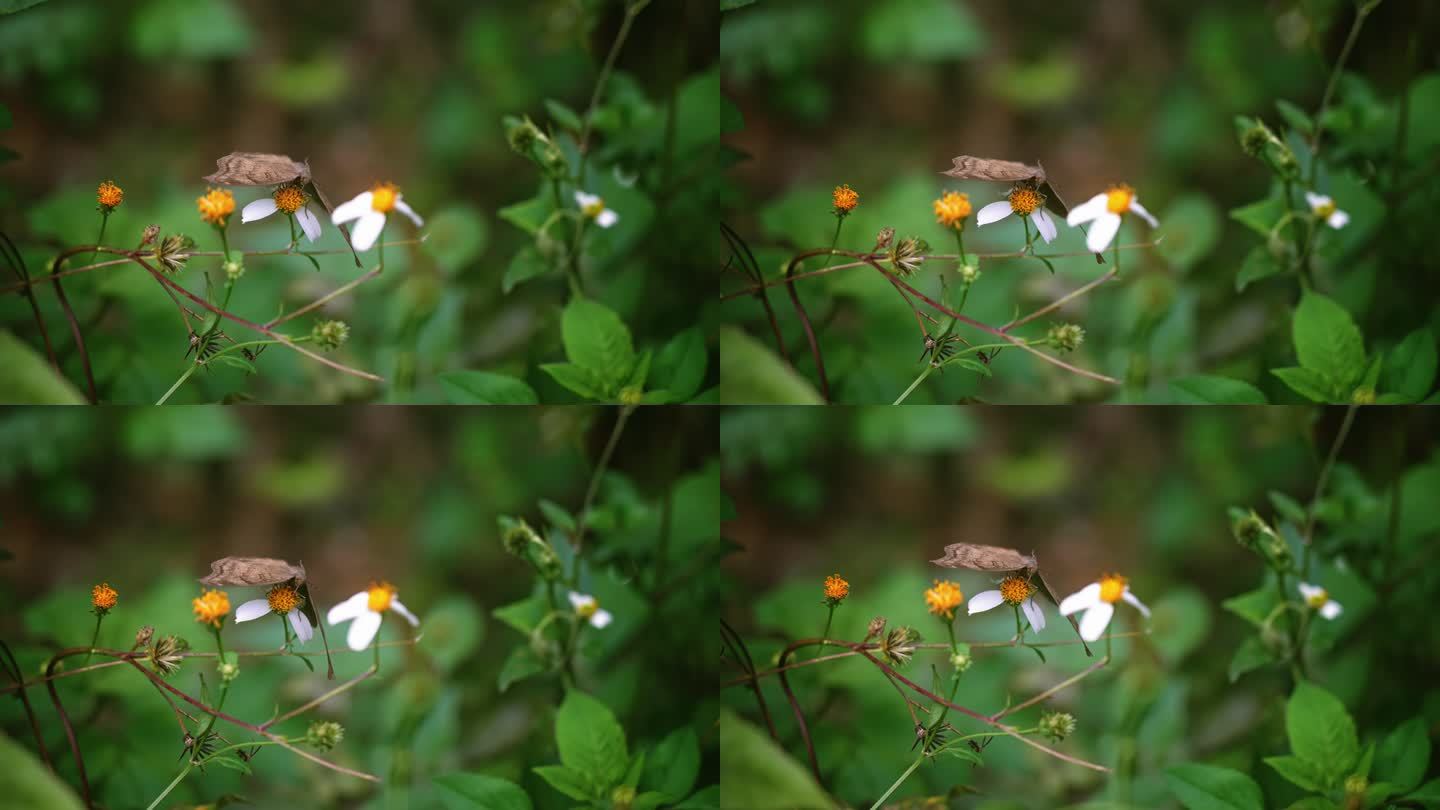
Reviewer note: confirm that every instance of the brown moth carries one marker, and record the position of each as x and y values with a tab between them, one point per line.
1008	171
995	559
270	571
264	169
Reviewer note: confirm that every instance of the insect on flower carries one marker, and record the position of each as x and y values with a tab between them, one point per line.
265	169
1018	591
978	557
1024	200
284	600
289	199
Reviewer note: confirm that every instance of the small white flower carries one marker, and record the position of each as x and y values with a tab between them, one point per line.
370	209
593	207
1025	201
366	609
1015	591
290	199
1324	208
1104	209
284	600
1098	601
1319	599
587	608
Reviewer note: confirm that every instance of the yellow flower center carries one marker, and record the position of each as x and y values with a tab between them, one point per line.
944	598
846	199
952	209
587	608
1318	599
1016	590
284	598
109	195
289	199
1118	198
1112	587
1024	201
1325	209
384	196
593	208
836	588
210	607
103	596
216	206
381	595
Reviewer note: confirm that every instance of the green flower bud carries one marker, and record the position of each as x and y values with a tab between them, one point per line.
969	274
330	335
1065	337
324	735
234	269
228	670
1057	725
622	797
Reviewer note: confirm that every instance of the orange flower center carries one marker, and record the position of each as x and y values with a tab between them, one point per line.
846	199
210	607
952	209
289	199
103	596
1118	198
384	196
109	195
284	598
1016	590
1024	201
1112	587
836	588
381	595
216	206
944	598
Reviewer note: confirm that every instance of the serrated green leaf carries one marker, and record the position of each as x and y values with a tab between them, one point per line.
1404	755
1328	342
473	791
486	388
521	663
596	339
1260	216
1307	383
1259	264
1410	366
582	381
527	263
673	764
1299	772
591	741
568	781
680	365
1250	655
1211	390
1207	787
530	214
1321	732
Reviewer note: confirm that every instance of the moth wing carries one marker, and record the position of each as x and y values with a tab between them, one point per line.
308	608
251	571
255	169
967	167
979	557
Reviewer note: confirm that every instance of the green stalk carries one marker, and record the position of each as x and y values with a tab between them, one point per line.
95	638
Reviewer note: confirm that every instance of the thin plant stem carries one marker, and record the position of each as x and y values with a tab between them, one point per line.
593	487
898	782
834	240
100	240
95	637
185	375
929	367
1361	12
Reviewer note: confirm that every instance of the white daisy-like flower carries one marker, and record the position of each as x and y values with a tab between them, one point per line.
284	600
593	207
1319	599
289	199
1025	201
369	209
1014	591
588	608
366	608
1098	601
1324	208
1104	209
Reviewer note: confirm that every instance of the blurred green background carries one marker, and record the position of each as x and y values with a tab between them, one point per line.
145	499
873	494
149	93
881	94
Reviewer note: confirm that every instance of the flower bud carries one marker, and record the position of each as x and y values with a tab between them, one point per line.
961	658
631	395
877	626
884	237
1065	337
151	231
324	734
330	335
1057	725
622	797
969	274
228	670
143	636
1250	530
234	269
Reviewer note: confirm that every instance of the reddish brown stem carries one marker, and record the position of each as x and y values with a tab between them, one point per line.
65	721
805	319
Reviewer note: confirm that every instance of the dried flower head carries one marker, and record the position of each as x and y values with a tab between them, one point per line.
148	235
899	645
1065	337
216	206
165	654
952	208
173	251
109	196
877	626
211	607
944	598
103	597
845	199
882	239
906	255
330	335
143	636
836	589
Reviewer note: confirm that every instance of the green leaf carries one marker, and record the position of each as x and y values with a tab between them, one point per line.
1327	341
525	614
527	263
1207	787
973	365
521	663
12	6
486	388
582	381
731	5
751	373
1259	264
1206	389
591	741
1428	794
530	214
1410	366
563	115
680	365
673	764
704	799
1260	216
29	380
558	515
1299	772
1294	116
1250	655
755	772
596	339
1314	803
473	791
28	783
1255	606
1309	384
1404	755
1321	731
568	781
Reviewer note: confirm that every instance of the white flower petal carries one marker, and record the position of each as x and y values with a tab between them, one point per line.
367	230
1338	220
302	626
1330	609
579	600
1034	614
994	212
308	223
1315	200
1088	210
261	208
253	609
600	619
1102	230
607	218
1145	215
1095	620
363	630
583	199
1081	599
404	208
354	209
1310	591
983	601
1134	600
1044	225
398	607
349	609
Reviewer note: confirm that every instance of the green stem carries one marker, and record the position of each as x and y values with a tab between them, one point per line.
834	240
95	638
227	350
100	240
1029	240
1019	629
1363	11
173	783
632	10
929	367
295	238
185	375
898	782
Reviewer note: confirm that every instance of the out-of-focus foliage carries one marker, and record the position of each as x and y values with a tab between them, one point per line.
1206	710
881	95
145	499
149	93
